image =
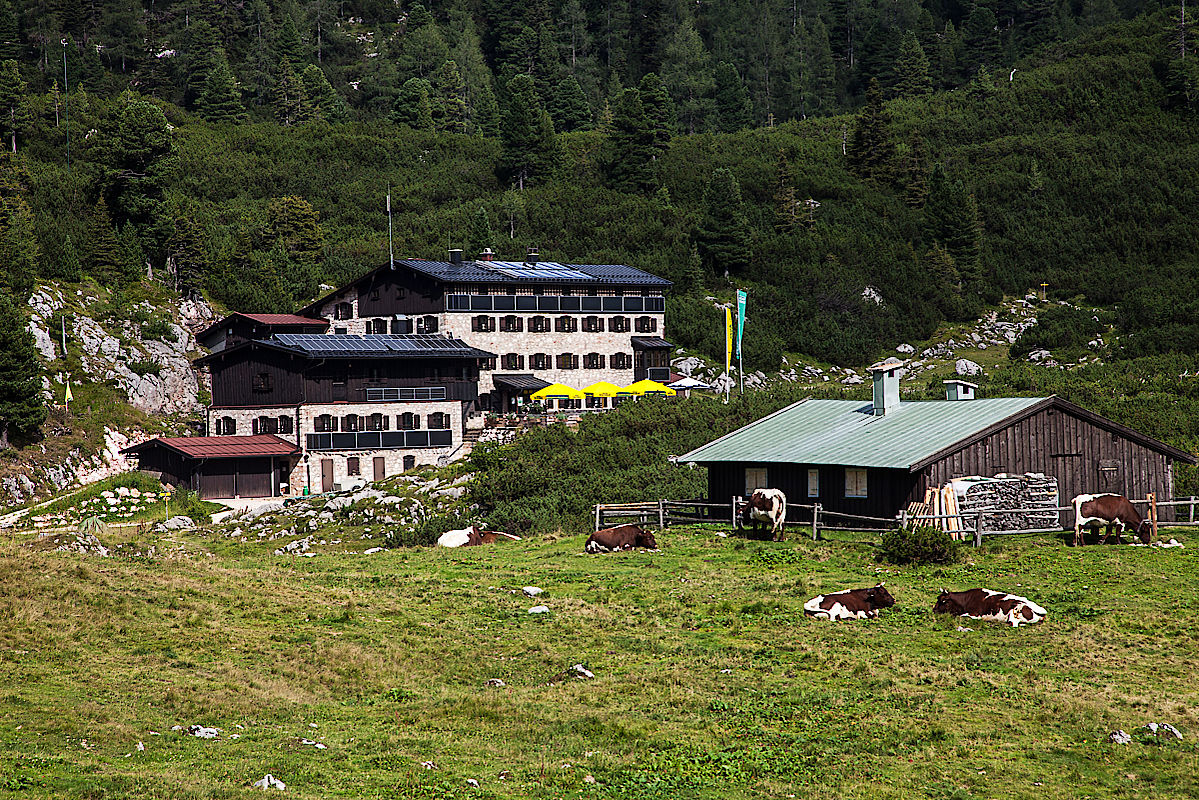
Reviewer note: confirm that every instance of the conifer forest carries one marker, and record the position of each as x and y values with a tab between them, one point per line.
866	170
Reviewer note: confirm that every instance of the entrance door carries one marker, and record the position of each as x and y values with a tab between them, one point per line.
326	474
380	468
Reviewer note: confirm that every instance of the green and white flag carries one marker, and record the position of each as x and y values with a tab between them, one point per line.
740	318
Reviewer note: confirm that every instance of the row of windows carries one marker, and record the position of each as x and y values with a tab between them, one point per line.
564	324
855	481
565	361
350	423
227	426
551	291
425	324
474	302
380	440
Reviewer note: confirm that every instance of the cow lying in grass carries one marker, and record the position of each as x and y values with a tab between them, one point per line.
850	604
622	537
986	604
471	537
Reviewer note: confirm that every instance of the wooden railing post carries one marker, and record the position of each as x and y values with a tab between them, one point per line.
978	529
1153	513
815	521
661	515
734	507
597	516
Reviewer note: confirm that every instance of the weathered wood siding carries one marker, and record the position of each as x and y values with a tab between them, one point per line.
1084	458
886	493
399	292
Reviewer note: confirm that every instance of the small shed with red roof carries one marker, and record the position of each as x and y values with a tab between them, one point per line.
221	466
238	327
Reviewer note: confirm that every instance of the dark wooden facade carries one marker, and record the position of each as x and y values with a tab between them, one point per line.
386	292
258	476
1085	452
264	377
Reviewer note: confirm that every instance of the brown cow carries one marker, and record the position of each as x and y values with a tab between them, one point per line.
766	506
1114	510
850	604
471	537
986	604
622	537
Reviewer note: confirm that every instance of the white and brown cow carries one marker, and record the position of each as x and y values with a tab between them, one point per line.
471	537
766	505
622	537
986	604
1113	510
850	604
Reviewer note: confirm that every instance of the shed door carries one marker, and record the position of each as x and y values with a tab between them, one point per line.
380	468
326	474
1110	476
253	477
216	478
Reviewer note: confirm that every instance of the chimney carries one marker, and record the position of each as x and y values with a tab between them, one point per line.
531	256
886	385
455	256
960	390
487	255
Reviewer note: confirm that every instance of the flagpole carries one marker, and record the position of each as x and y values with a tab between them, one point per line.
391	257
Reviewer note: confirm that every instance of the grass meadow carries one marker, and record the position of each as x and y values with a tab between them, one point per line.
709	681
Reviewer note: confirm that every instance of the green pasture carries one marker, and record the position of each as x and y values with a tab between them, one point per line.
709	681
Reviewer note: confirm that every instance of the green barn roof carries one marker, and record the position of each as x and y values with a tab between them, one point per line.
846	432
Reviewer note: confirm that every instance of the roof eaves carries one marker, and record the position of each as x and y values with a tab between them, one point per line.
1124	430
979	435
690	456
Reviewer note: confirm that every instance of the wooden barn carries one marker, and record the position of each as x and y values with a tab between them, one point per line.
873	458
220	466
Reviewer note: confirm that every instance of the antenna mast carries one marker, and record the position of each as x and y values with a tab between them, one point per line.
391	256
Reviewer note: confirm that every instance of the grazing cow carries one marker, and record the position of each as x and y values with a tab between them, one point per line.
1113	510
471	537
622	537
986	604
850	604
766	505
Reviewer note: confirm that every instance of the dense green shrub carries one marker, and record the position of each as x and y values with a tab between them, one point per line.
143	368
920	545
1063	329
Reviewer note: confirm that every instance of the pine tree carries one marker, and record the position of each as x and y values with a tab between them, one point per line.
414	105
291	102
450	100
871	150
288	44
220	100
104	262
914	166
10	43
486	112
733	108
786	204
1097	13
530	147
422	49
952	220
13	116
513	205
481	235
687	72
820	79
981	39
659	110
631	148
137	156
19	248
693	273
292	224
911	68
568	106
21	409
722	234
940	268
324	100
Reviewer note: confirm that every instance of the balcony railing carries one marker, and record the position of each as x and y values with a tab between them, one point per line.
553	303
380	440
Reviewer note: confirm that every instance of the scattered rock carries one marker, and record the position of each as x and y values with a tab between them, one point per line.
852	380
1119	737
539	610
495	682
967	367
202	732
964	630
472	783
269	781
905	348
428	765
180	523
532	591
85	543
1157	729
587	674
588	779
372	551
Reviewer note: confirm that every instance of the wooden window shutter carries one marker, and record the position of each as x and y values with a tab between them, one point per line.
520	360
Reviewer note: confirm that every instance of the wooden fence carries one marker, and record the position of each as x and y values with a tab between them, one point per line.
665	513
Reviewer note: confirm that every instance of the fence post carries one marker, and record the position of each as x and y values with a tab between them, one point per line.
815	521
597	516
1153	513
978	529
1192	519
903	518
661	515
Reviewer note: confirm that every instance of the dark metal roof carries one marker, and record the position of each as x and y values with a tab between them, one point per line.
320	345
266	444
519	382
535	272
265	319
650	343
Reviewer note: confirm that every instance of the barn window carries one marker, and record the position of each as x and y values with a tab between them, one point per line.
343	311
376	326
622	361
755	478
513	361
593	361
593	324
265	425
566	324
376	422
647	325
261	382
539	361
855	482
226	426
426	324
813	483
618	324
409	463
539	324
339	331
352	466
409	421
351	422
439	421
512	324
325	423
284	423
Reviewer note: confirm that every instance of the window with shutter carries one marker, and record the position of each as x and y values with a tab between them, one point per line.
855	482
352	466
284	423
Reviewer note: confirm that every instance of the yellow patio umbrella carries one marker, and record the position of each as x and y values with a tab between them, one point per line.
602	389
557	390
649	387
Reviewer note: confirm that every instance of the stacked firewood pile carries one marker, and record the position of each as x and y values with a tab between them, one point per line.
1015	502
